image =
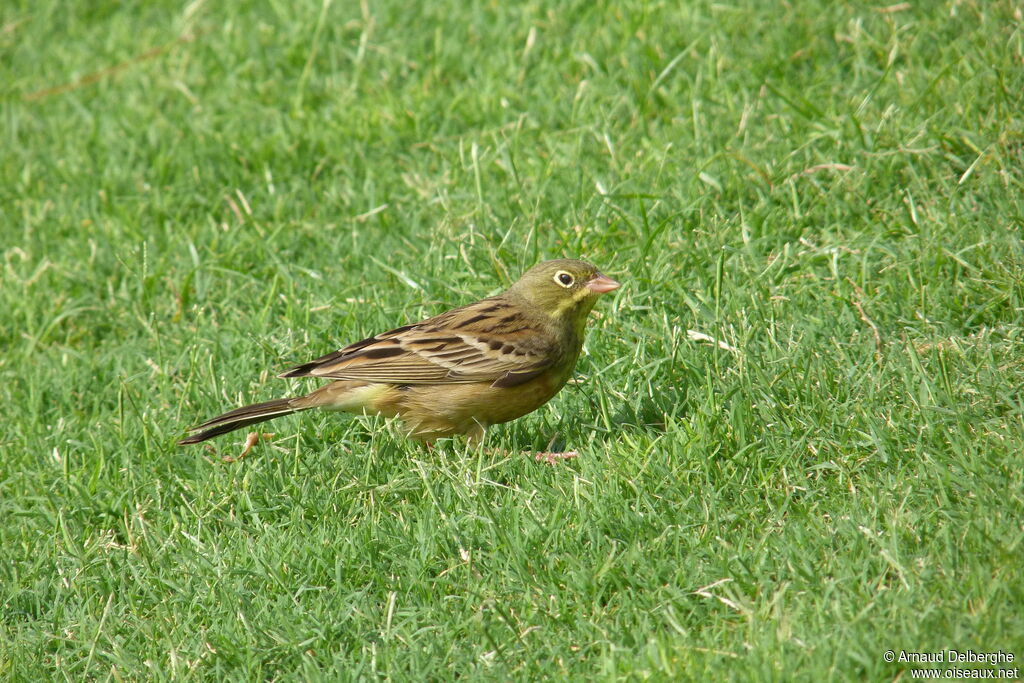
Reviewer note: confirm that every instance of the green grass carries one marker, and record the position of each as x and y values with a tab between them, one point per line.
195	195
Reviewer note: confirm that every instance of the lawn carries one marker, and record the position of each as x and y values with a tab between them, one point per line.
800	420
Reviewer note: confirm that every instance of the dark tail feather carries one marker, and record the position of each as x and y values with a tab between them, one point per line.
240	417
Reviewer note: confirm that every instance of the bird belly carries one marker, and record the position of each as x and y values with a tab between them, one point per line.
433	411
440	410
498	405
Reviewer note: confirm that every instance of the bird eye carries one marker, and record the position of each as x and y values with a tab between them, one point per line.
563	278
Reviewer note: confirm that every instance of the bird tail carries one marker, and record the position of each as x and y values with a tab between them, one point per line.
242	417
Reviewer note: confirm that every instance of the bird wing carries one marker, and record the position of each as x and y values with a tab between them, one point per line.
488	341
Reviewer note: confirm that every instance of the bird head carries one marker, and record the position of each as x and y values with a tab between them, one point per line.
565	289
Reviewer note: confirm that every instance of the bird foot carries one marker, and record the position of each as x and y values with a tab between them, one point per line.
551	458
250	441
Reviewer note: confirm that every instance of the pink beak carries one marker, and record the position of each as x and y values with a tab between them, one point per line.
599	284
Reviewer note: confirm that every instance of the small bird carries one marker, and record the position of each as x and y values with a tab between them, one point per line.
456	373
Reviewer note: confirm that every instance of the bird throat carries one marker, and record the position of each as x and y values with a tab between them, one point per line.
570	303
571	314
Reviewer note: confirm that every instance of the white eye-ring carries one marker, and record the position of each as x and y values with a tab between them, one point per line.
564	279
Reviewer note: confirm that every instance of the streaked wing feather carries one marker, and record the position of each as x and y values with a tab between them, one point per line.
486	341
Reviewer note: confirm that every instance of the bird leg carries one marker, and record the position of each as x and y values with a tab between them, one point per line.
476	435
475	442
250	441
545	456
552	457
